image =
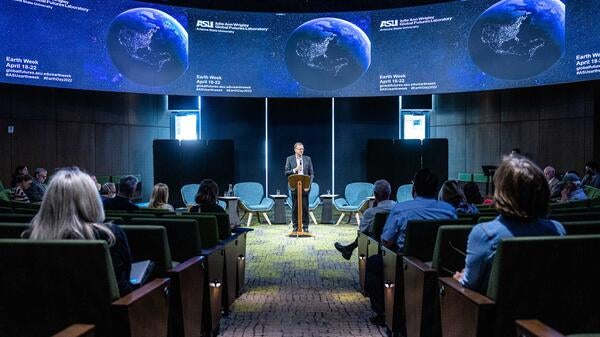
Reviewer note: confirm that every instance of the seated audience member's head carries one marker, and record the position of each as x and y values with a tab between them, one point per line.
208	192
452	193
472	193
382	190
127	186
425	184
71	209
591	168
515	152
108	190
21	170
549	172
23	181
160	196
41	175
522	191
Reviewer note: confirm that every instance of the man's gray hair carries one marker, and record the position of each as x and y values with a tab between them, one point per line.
382	187
40	170
297	144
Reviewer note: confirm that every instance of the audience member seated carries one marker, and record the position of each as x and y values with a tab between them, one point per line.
382	191
453	194
472	194
36	191
72	209
160	197
553	183
122	202
22	183
206	198
423	207
592	176
522	198
20	170
571	189
108	190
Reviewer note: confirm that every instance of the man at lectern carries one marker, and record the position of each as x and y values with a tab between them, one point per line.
300	164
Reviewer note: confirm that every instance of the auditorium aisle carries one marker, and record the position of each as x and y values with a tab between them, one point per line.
300	287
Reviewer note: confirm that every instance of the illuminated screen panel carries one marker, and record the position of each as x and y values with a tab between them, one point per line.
128	46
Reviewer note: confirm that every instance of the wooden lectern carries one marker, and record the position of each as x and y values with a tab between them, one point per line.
296	183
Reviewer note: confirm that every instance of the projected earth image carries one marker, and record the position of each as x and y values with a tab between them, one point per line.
327	53
518	39
148	46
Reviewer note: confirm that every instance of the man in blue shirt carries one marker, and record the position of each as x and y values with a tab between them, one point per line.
423	207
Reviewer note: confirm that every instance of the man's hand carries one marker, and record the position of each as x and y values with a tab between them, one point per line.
298	168
306	189
459	275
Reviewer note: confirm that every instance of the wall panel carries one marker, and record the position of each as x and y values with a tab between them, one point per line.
76	145
34	143
112	149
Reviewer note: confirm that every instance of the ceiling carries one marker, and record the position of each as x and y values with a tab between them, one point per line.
297	5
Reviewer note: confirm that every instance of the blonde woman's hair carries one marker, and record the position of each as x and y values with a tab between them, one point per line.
160	196
522	191
71	209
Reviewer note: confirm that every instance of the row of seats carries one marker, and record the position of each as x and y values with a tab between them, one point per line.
199	271
547	278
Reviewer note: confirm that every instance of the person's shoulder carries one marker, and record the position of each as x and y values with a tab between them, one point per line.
553	226
487	230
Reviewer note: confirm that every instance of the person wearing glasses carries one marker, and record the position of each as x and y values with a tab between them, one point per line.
36	191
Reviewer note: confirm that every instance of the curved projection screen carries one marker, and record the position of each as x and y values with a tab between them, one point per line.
128	46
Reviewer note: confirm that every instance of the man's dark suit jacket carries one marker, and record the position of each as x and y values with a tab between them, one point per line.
35	192
119	203
290	165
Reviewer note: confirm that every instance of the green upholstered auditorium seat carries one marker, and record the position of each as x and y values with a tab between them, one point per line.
187	239
465	177
420	279
419	244
48	285
77	330
127	216
12	230
6	210
11	217
208	227
222	222
548	278
187	278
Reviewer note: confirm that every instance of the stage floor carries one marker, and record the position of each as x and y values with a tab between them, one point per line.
300	287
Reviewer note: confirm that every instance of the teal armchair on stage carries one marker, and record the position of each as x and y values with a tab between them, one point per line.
188	194
404	193
253	200
313	200
354	201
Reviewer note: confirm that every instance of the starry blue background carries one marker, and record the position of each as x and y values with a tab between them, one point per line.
74	42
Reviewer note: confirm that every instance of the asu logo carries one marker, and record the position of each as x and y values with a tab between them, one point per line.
205	24
388	23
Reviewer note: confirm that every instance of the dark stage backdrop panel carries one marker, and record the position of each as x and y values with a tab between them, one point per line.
356	121
243	121
304	120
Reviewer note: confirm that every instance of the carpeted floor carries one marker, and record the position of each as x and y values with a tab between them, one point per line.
300	287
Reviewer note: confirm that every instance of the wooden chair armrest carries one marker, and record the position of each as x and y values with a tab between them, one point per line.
187	289
211	250
418	264
420	292
535	328
77	330
143	312
464	312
